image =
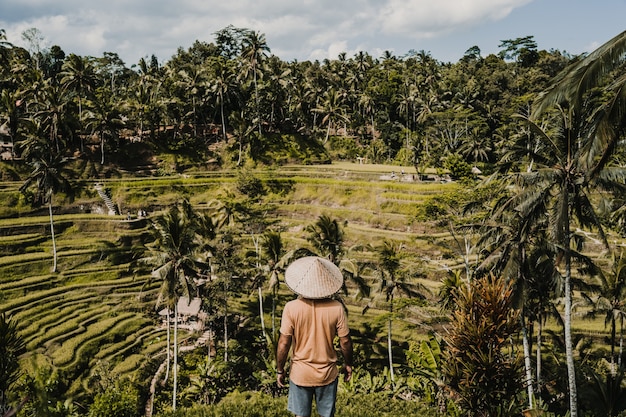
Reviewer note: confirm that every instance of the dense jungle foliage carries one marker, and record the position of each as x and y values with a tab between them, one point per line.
471	257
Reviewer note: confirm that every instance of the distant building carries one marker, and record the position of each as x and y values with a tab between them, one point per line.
190	315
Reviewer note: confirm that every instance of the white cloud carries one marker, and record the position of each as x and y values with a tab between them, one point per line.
427	18
305	29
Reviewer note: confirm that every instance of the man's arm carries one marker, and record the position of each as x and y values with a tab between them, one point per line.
282	351
345	343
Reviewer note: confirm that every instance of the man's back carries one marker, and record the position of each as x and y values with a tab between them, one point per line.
314	324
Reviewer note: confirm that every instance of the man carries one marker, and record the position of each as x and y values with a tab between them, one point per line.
310	324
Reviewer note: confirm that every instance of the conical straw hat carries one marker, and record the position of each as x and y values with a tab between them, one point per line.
313	277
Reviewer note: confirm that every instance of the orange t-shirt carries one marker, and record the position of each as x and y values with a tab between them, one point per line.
313	325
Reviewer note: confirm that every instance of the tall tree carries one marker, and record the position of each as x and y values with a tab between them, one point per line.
394	280
273	253
222	85
254	50
560	187
47	178
78	75
332	110
579	155
174	257
12	345
105	119
326	235
610	301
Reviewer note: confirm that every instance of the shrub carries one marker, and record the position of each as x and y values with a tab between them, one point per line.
254	404
120	401
478	362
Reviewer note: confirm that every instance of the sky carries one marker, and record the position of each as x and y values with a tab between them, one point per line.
307	30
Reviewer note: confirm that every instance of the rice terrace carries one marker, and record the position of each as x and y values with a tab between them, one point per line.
476	210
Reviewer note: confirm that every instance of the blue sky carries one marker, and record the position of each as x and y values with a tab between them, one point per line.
309	30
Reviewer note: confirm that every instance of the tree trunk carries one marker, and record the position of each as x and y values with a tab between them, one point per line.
225	338
327	133
256	100
389	350
274	313
621	341
613	337
569	351
226	321
527	365
102	147
222	115
539	343
167	368
175	370
54	242
261	312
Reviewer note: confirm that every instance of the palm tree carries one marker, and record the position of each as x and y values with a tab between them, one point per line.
393	281
273	253
577	158
104	118
254	50
326	235
516	248
506	243
174	258
242	131
566	174
221	85
332	109
4	44
12	345
47	177
10	109
78	75
53	115
192	80
611	300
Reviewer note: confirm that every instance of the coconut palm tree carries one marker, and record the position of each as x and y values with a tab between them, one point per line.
577	157
12	345
10	113
611	302
273	253
175	264
105	118
47	176
332	109
78	75
52	111
253	52
394	280
193	80
326	236
222	84
560	187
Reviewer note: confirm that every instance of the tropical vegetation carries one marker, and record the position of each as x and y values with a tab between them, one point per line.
475	208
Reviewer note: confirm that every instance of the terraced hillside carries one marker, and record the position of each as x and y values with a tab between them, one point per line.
98	309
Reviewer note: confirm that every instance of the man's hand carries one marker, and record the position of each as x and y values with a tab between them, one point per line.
347	373
280	379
